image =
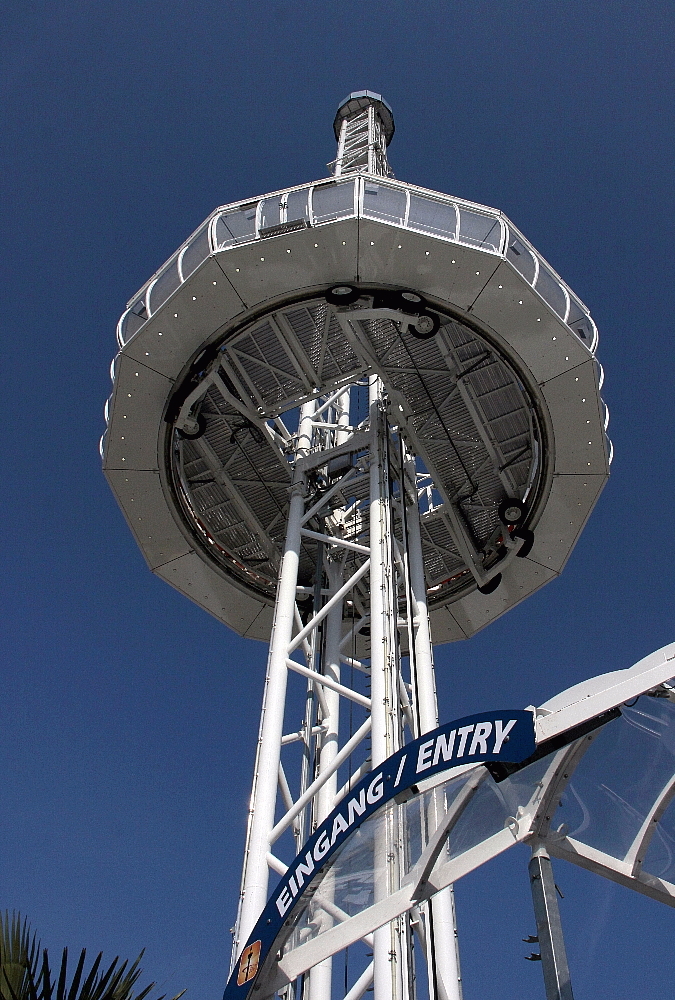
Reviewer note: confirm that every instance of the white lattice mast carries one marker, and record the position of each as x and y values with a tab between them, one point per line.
395	575
385	596
392	608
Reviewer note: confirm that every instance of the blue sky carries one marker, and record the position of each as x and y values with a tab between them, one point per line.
128	719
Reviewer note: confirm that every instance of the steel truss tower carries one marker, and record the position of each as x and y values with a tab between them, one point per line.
386	595
346	416
386	598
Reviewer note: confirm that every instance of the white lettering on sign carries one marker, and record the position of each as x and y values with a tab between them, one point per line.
400	769
339	824
456	744
305	869
284	900
501	734
463	737
444	745
375	789
322	845
424	756
480	735
356	807
431	752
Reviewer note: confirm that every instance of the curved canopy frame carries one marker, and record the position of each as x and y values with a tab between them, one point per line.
605	760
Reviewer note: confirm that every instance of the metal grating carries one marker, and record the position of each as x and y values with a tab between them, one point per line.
463	412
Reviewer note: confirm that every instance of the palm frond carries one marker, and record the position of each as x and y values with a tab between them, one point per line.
25	972
19	957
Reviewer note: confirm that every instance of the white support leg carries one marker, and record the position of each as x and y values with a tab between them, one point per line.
320	979
264	793
265	780
442	951
383	697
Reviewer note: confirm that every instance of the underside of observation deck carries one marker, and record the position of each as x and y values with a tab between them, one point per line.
496	393
461	407
498	403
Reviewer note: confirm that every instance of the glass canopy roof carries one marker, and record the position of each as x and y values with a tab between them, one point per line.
616	814
602	798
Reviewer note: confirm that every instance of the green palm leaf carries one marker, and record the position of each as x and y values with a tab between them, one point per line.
25	972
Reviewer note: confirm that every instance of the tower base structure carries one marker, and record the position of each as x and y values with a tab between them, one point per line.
362	646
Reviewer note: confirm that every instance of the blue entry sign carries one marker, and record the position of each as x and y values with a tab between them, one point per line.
497	736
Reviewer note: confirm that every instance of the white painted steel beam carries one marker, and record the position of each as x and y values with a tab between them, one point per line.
606	691
442	952
574	851
326	681
263	795
637	851
318	783
264	792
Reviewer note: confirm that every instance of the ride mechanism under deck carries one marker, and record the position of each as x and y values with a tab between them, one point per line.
347	415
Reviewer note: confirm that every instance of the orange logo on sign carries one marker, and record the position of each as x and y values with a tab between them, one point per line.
248	963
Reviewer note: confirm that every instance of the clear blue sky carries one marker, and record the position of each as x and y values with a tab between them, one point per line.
128	716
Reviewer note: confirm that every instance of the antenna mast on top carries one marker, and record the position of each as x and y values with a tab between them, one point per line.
364	127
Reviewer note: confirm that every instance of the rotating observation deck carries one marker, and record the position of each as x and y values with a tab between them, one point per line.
487	360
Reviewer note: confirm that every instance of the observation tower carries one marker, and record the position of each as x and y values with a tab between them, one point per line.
348	417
